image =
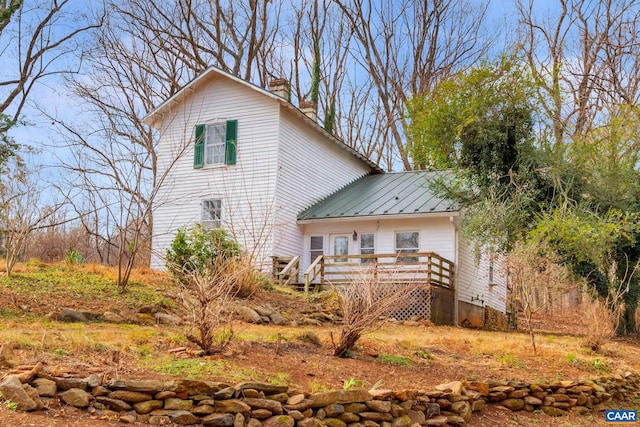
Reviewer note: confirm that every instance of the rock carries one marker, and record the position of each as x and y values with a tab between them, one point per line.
253	423
265	388
280	397
534	401
455	420
94	380
379	405
71	315
7	358
513	404
33	394
149	309
173	403
432	410
463	409
69	383
397	410
11	389
356	408
144	386
382	394
302	406
417	417
127	419
193	387
233	406
454	387
272	405
264	311
295	399
130	396
100	391
439	421
76	397
147	406
167	319
404	421
376	416
261	414
183	418
349	417
203	410
277	319
218	420
249	315
478	405
238	420
225	393
334	410
334	422
518	394
115	404
112	317
310	422
279	421
339	396
45	387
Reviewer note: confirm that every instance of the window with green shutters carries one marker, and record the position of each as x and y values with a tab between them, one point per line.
215	144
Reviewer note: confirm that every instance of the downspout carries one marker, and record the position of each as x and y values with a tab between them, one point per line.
455	277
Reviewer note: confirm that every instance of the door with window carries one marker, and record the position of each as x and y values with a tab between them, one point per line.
340	246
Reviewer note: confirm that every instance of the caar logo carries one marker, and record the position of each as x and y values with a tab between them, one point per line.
621	416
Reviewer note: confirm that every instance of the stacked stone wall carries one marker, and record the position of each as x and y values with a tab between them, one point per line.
254	404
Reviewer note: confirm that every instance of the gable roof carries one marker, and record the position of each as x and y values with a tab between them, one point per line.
211	72
383	195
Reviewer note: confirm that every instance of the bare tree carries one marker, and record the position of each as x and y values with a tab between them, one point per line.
38	39
405	48
21	212
366	303
584	57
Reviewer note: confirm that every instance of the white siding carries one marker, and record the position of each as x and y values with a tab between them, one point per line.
436	234
472	278
310	167
247	188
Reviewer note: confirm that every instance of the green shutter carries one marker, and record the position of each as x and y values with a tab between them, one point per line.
230	144
198	151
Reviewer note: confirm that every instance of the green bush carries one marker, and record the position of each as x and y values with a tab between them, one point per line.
198	248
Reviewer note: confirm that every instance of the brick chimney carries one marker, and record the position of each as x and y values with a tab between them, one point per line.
310	109
279	87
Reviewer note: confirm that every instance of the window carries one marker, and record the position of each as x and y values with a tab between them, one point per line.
407	242
215	144
341	247
212	213
316	246
366	247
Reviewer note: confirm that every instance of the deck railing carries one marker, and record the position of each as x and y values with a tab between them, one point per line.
289	274
416	267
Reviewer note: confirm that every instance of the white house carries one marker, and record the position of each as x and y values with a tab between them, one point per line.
234	155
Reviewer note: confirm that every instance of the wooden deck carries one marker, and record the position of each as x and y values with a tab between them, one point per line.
421	267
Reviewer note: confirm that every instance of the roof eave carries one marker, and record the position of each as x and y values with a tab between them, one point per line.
443	214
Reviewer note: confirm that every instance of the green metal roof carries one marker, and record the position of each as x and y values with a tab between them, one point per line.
387	194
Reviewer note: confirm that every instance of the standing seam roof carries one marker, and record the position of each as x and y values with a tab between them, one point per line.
396	193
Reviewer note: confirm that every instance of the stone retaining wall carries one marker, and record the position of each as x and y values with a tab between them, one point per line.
252	404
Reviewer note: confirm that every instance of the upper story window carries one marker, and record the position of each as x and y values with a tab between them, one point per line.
215	144
212	213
